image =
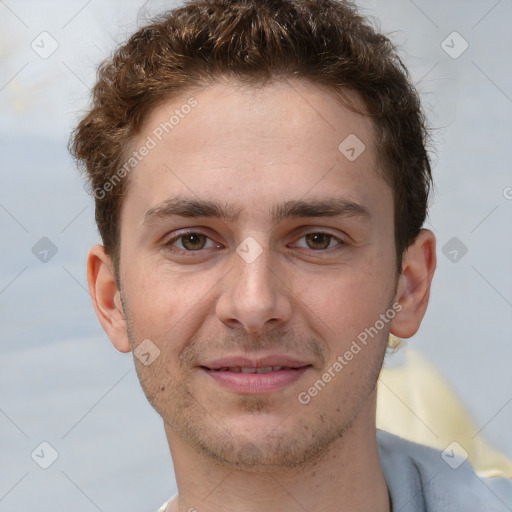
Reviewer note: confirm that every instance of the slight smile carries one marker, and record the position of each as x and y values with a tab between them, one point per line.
246	376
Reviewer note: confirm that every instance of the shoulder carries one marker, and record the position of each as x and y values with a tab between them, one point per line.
424	479
164	507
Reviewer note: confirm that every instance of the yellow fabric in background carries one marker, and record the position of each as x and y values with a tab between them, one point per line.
415	402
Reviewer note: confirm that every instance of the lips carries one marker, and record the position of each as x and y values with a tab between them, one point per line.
255	376
244	362
239	369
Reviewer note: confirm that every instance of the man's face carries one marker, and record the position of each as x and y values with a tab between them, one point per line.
279	282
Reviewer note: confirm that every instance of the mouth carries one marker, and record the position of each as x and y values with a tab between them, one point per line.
240	369
255	377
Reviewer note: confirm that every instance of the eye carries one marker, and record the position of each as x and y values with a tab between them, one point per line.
190	241
320	241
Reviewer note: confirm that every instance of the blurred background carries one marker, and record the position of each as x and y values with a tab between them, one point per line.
76	431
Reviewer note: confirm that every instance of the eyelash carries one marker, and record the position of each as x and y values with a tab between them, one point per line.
169	243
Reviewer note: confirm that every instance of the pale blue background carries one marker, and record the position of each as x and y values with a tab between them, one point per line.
61	381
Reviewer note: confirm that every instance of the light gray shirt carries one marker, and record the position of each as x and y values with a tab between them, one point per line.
420	479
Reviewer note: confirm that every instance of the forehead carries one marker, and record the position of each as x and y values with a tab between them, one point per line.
254	145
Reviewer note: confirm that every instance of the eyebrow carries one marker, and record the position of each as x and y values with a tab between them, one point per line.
193	207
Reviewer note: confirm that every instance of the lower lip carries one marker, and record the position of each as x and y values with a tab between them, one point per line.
256	383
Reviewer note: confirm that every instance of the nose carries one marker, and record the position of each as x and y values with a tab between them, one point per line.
254	295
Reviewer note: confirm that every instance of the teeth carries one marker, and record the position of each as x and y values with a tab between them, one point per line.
238	369
264	370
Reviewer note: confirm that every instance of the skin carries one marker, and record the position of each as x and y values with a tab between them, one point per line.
304	296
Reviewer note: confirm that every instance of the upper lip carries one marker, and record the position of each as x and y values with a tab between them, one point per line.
255	362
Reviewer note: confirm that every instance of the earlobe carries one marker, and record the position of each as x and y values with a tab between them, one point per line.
414	284
105	297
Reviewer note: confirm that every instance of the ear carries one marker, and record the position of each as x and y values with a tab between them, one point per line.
413	291
106	297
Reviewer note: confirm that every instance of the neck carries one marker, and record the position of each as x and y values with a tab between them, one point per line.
347	477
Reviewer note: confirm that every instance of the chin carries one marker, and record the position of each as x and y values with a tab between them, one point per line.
263	442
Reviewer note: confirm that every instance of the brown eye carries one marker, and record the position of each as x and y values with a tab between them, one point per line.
191	244
318	241
193	241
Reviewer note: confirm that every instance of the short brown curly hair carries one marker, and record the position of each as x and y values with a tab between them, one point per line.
324	42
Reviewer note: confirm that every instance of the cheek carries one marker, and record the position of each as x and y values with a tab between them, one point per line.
167	307
343	303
